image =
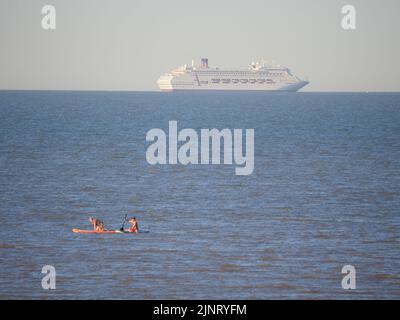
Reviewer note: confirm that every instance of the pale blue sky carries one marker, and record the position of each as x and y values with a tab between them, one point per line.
127	44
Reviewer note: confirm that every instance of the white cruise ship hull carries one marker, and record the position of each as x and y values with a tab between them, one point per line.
169	87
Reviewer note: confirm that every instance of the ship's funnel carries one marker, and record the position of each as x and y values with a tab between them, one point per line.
204	63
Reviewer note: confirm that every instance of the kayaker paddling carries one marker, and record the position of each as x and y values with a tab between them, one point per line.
134	225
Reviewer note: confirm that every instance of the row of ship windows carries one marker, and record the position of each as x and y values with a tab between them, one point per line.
239	81
269	74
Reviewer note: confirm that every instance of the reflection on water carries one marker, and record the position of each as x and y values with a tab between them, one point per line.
324	193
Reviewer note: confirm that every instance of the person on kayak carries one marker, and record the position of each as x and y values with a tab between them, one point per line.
98	225
134	225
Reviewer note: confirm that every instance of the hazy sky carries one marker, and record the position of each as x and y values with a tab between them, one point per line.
127	44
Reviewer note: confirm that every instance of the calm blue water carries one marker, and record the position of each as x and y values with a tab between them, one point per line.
325	192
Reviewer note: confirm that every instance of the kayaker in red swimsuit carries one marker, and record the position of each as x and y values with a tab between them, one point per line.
134	225
98	225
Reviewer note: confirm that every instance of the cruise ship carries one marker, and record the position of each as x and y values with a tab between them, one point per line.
259	77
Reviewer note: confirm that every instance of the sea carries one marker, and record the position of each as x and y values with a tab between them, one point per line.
324	194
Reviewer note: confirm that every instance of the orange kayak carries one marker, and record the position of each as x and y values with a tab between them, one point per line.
98	232
106	231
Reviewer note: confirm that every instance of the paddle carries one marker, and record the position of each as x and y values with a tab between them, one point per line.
123	224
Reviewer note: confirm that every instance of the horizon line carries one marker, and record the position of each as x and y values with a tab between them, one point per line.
208	91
